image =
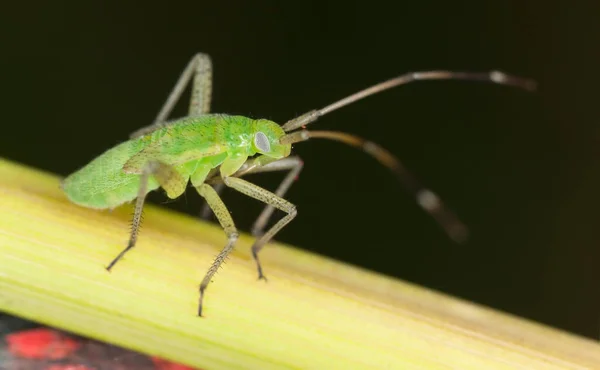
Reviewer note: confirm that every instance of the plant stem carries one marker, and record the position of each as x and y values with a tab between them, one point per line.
314	313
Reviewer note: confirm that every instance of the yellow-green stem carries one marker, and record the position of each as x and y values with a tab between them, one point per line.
314	313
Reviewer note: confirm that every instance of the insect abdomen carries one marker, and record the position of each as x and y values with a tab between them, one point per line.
102	183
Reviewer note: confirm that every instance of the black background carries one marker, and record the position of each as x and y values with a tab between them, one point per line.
522	170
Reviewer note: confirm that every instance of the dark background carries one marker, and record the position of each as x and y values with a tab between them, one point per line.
522	170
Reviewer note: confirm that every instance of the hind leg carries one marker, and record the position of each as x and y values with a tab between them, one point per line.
200	67
169	179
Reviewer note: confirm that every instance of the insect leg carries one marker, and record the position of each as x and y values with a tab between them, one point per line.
201	68
294	164
202	86
222	214
137	215
269	198
252	167
206	210
169	179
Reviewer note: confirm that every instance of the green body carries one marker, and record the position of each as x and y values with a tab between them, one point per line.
191	146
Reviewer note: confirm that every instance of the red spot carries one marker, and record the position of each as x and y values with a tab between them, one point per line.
304	127
162	364
41	344
68	367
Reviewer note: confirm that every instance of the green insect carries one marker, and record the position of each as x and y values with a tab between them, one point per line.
216	150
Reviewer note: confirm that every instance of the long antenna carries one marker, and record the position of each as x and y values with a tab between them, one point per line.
496	77
425	198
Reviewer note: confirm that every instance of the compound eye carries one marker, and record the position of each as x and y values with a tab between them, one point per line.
262	142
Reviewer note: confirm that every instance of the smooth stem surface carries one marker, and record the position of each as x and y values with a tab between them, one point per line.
314	313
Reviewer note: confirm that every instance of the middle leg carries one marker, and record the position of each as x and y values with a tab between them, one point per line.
222	214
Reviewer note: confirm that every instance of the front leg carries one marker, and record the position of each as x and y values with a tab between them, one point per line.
268	198
292	164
